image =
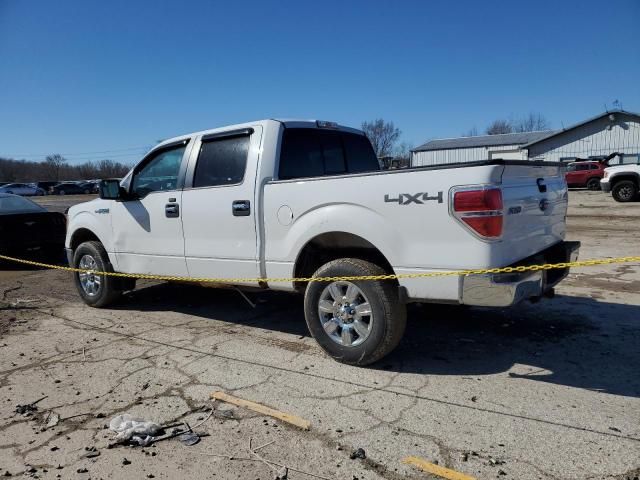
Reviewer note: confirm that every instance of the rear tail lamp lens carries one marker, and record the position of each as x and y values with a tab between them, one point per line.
480	211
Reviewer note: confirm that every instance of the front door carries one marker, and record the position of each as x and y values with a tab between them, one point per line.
147	229
219	216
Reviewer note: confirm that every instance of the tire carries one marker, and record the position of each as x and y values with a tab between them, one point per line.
593	184
371	340
86	192
60	192
92	255
624	191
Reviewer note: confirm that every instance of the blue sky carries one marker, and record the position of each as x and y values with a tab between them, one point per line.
79	77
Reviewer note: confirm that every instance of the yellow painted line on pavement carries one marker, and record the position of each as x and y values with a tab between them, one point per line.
436	469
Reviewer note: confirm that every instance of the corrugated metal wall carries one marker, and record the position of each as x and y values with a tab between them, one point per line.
601	137
438	157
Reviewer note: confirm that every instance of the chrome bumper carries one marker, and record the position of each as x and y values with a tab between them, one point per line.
503	290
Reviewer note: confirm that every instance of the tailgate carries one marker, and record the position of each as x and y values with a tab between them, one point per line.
535	208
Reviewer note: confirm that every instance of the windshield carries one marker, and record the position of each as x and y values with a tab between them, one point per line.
15	204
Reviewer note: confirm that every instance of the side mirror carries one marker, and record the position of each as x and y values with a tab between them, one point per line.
110	190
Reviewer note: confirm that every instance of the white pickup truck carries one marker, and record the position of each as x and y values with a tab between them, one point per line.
269	200
623	181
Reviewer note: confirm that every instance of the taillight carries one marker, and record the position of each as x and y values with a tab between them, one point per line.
480	210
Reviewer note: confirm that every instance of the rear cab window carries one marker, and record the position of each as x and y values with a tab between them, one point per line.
312	152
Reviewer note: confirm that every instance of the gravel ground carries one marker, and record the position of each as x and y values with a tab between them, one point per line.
541	391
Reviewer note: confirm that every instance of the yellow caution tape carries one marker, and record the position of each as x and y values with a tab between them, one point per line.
444	273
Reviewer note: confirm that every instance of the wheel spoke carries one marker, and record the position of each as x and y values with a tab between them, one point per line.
347	336
361	328
326	306
331	326
364	309
352	293
335	291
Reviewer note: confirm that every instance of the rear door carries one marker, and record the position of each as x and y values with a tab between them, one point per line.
219	205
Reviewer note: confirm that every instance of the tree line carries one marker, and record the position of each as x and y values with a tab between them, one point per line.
529	123
55	168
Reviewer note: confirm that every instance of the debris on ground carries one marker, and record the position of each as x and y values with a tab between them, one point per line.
262	409
29	408
359	453
134	429
189	438
91	452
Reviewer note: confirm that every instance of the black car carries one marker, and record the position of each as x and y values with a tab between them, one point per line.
26	226
90	187
46	186
70	188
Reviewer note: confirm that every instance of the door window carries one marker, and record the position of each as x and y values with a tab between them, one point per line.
159	173
222	162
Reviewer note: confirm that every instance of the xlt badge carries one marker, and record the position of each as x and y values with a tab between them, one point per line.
407	198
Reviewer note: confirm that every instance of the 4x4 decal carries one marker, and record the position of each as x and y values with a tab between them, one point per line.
407	198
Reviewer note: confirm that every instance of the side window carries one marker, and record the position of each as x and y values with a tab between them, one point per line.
593	167
571	168
160	173
221	162
582	166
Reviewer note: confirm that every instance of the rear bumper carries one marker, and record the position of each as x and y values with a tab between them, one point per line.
503	290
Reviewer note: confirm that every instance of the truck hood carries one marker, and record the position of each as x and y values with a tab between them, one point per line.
623	168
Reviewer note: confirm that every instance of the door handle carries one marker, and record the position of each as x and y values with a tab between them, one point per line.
172	210
241	208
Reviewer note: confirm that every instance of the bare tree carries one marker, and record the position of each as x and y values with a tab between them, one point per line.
382	135
531	123
472	132
54	163
498	127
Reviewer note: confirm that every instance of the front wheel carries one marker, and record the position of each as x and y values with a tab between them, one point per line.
624	191
61	192
356	322
96	290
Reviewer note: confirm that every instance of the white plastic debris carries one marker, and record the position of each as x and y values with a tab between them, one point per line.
136	430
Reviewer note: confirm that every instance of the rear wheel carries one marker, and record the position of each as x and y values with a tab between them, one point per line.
624	191
96	290
593	184
60	192
356	322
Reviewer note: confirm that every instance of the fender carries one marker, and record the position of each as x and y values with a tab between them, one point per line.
336	217
100	226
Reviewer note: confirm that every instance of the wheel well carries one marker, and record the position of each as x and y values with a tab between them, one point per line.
331	246
82	235
618	178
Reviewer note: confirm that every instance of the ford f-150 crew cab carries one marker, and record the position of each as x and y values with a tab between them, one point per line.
269	200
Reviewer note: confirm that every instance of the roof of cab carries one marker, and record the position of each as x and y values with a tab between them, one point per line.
287	122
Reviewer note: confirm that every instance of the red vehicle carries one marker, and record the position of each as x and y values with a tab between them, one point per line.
585	174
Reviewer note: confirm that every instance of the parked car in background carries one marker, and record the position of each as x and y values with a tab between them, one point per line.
89	187
21	189
623	181
585	174
70	188
46	186
26	226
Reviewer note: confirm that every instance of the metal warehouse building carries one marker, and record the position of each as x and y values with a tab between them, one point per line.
598	137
